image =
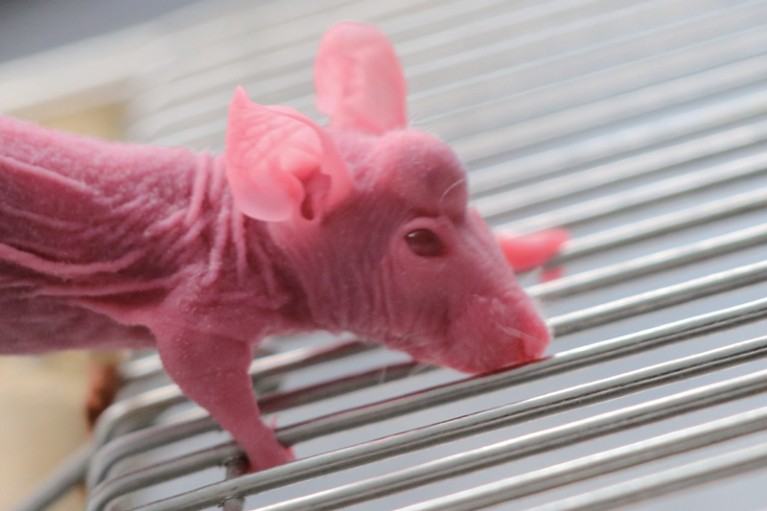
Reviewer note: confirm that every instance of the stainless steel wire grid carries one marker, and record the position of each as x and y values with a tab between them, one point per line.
641	127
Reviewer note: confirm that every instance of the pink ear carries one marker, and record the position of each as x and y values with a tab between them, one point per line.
359	80
280	164
529	251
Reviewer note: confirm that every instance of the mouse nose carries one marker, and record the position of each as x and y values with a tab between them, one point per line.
535	335
497	332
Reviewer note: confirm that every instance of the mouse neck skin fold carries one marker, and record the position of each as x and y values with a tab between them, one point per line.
235	278
333	270
336	257
94	231
274	277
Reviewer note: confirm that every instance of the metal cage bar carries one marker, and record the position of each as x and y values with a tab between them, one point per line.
605	462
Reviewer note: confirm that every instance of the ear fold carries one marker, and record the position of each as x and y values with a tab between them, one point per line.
280	164
359	80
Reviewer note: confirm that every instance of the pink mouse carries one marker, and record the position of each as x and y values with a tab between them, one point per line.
361	226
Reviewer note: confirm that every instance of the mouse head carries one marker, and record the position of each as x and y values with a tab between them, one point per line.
372	216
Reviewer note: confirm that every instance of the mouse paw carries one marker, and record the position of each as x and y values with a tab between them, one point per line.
103	385
265	451
269	457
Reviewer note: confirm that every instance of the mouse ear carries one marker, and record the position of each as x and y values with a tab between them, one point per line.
280	164
359	80
529	251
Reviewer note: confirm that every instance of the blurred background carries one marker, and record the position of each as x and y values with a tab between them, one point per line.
33	26
91	33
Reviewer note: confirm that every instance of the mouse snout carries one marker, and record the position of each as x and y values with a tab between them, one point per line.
495	332
533	334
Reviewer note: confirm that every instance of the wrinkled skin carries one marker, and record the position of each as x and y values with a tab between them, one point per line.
459	305
362	226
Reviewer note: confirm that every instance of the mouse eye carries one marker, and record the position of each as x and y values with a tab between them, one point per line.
424	243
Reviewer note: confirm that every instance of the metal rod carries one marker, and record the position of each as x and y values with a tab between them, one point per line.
659	261
160	472
66	476
235	467
656	299
519	199
482	421
152	437
614	144
667	481
602	463
663	224
635	198
490	146
561	81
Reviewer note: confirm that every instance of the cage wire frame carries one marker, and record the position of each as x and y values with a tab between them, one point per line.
638	126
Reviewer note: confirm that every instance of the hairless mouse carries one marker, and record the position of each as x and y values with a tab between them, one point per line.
359	226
